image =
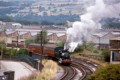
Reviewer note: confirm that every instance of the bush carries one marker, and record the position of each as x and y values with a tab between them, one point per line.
22	51
106	55
79	49
13	52
9	52
91	47
2	43
6	51
109	72
48	72
87	46
60	44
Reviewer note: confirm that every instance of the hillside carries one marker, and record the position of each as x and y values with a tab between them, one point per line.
46	11
49	11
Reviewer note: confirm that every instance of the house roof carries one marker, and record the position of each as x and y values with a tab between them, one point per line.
60	34
16	24
10	32
117	38
26	30
49	34
115	33
22	33
100	34
34	33
45	45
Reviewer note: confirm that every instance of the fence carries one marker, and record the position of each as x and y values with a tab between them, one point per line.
28	59
34	62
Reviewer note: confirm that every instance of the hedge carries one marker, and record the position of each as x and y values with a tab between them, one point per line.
109	72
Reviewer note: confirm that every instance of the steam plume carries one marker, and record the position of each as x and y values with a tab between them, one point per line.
82	30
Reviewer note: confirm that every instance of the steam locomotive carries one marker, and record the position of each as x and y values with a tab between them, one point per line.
51	51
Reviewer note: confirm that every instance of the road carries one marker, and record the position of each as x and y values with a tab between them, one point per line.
21	68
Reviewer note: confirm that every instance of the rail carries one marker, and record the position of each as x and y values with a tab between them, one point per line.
69	73
86	67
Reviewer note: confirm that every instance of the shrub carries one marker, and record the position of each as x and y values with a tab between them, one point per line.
60	44
87	46
9	52
79	49
91	47
109	72
6	51
22	51
106	54
48	72
2	43
13	52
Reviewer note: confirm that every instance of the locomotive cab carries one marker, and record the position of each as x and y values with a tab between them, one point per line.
65	56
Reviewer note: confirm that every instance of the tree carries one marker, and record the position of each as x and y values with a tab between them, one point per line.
2	43
23	51
30	40
106	54
41	36
2	46
6	18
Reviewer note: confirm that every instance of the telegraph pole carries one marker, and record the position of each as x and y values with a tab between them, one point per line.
99	42
1	57
17	43
41	35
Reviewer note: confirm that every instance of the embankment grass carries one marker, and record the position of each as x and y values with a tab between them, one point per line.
47	73
77	55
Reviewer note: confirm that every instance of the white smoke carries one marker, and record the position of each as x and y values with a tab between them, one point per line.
82	30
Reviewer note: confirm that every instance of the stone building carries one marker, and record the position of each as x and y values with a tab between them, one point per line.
102	39
115	50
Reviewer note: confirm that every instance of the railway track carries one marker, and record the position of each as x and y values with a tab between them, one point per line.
81	69
69	73
84	66
92	65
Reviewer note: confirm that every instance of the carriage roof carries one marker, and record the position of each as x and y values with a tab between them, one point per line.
45	45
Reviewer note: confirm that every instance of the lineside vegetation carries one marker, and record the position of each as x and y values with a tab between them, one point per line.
47	73
109	72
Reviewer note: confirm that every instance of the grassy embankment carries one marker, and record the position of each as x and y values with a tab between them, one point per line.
47	73
101	62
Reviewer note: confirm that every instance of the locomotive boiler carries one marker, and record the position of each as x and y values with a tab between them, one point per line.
51	51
